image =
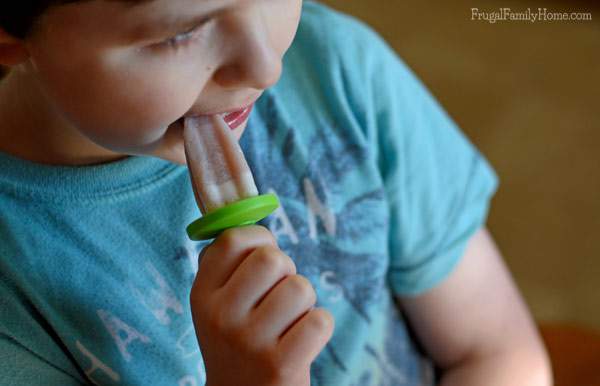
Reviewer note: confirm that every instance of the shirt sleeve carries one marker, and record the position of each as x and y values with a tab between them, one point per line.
437	184
19	366
30	352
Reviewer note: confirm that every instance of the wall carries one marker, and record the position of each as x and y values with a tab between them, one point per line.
528	95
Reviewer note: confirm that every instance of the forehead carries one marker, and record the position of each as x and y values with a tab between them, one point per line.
169	4
114	18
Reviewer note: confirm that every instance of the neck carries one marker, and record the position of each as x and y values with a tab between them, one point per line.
31	128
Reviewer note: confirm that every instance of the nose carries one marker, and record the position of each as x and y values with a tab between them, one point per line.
253	61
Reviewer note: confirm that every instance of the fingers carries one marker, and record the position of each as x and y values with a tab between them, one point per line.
286	303
306	338
255	277
222	257
249	306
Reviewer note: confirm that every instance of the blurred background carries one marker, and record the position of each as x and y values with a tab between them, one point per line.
528	95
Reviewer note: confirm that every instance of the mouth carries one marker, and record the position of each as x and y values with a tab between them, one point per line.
234	119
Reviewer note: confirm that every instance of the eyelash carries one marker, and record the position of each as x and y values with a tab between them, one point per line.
179	40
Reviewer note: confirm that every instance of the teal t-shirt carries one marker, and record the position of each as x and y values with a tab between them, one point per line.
380	192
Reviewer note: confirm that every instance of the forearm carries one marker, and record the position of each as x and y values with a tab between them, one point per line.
510	369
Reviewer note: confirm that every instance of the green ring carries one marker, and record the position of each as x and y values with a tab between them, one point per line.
244	212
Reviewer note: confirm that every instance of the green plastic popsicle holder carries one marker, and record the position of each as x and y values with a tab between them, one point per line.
244	212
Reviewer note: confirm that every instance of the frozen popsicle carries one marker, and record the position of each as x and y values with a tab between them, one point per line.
219	171
223	184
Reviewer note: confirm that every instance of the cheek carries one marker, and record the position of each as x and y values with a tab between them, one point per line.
121	101
144	99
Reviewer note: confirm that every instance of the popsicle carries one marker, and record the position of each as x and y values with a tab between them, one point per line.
223	184
219	171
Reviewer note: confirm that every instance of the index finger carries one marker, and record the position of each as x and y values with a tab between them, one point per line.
219	260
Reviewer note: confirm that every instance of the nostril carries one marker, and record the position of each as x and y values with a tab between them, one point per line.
228	76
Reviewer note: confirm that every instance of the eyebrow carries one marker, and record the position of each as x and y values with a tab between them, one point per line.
164	26
167	26
159	27
133	3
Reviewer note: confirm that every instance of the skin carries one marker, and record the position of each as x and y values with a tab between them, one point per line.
476	326
102	86
254	314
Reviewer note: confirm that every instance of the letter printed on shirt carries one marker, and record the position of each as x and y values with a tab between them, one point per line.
333	291
116	327
285	227
187	343
317	208
159	300
96	365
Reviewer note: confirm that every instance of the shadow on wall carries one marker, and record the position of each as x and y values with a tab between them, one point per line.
527	95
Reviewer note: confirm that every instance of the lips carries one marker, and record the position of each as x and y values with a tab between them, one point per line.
233	118
236	118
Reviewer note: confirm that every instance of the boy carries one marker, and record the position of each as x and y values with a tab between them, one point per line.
383	204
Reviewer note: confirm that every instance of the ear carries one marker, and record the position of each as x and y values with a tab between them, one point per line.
12	50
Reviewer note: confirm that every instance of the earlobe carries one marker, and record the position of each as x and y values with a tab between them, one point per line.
12	50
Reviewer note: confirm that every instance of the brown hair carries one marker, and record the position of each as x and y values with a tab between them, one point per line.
18	19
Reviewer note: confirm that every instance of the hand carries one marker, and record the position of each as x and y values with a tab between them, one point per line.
254	316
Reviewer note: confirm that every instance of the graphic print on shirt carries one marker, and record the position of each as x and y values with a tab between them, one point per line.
119	329
337	238
96	366
330	235
317	226
160	300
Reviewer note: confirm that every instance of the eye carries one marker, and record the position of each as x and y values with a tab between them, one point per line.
180	39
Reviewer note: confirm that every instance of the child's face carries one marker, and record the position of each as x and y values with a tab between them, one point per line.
122	74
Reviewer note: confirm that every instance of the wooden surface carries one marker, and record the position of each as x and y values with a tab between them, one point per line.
575	354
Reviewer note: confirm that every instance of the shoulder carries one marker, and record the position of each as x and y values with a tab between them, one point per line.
329	22
330	34
351	69
343	54
343	62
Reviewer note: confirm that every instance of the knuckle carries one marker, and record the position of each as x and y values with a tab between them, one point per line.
269	257
320	319
245	339
301	287
272	258
266	235
228	240
219	319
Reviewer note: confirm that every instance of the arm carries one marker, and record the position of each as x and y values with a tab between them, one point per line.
476	326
